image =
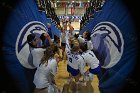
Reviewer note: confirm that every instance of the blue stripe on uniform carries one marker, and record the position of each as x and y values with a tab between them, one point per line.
96	70
74	72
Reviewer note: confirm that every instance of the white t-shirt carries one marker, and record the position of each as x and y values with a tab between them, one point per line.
45	74
90	59
37	54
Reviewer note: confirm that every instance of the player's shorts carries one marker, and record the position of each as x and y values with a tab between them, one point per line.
63	44
96	70
74	72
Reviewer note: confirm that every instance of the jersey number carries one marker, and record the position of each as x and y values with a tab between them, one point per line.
91	54
70	60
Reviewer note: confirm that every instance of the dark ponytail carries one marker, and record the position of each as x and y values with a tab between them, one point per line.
30	38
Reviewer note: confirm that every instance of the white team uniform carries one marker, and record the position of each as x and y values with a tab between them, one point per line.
75	61
92	61
45	73
89	43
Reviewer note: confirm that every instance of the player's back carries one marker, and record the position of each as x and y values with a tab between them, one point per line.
47	68
73	59
45	73
37	54
90	59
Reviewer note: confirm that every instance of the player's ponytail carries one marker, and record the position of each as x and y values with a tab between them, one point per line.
30	39
83	46
49	53
75	45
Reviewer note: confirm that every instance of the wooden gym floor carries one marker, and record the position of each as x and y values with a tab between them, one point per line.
62	75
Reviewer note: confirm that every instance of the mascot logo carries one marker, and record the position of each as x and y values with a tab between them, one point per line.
108	43
22	47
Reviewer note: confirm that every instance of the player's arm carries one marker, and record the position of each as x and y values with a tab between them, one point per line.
71	29
49	38
67	42
54	68
90	45
93	63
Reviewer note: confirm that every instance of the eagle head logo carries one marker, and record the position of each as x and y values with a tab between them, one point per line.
108	43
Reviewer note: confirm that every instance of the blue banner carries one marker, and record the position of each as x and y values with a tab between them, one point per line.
24	18
114	39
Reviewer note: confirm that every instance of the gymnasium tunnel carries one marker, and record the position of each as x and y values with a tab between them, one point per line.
112	25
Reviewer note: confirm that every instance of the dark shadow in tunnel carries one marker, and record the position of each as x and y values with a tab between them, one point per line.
7	85
133	82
